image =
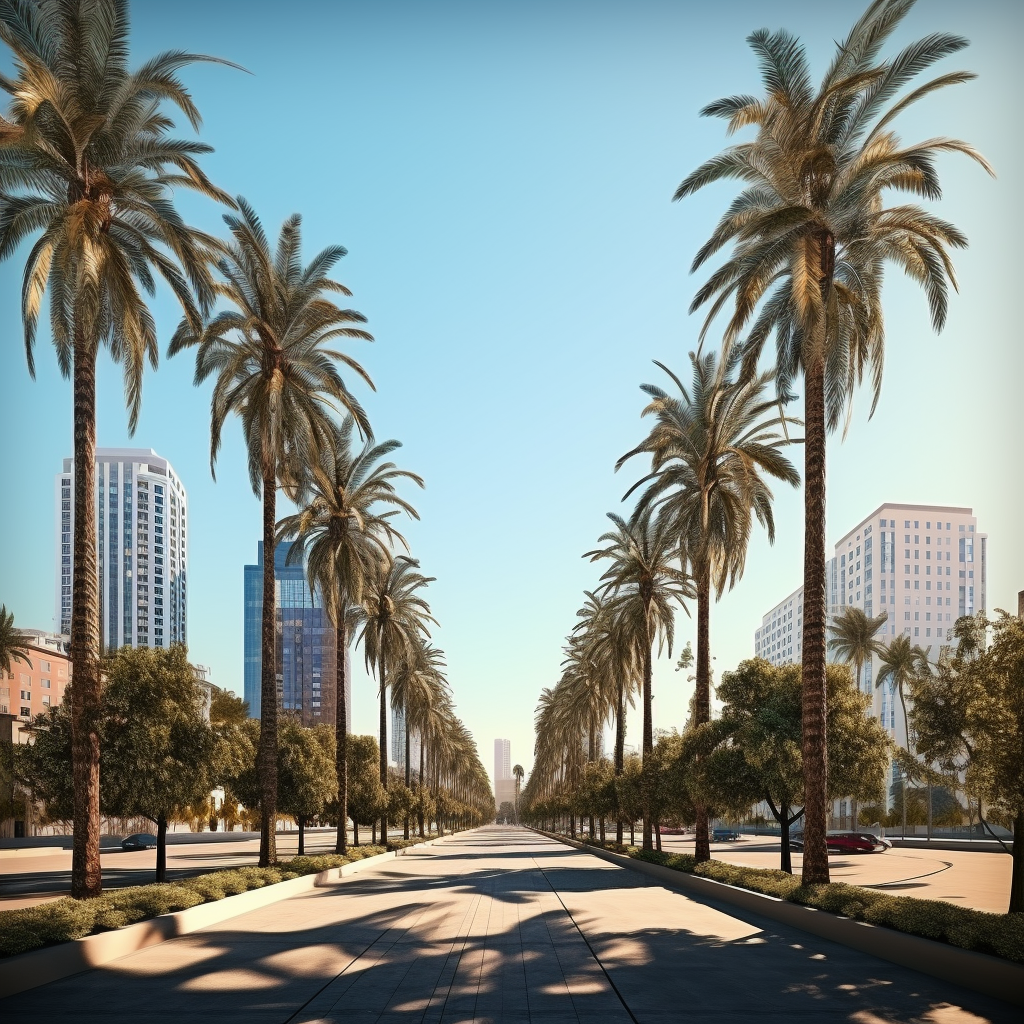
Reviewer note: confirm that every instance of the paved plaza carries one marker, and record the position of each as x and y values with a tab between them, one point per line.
500	924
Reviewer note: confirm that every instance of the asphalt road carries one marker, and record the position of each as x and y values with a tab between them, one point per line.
44	873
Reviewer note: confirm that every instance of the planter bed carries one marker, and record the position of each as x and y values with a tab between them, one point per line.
63	937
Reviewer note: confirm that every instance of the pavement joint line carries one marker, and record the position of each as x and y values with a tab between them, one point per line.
457	952
593	953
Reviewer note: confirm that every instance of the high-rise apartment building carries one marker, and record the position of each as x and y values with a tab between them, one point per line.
306	648
142	548
924	566
32	686
504	783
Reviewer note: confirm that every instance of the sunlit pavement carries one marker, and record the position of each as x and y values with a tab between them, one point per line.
968	878
500	925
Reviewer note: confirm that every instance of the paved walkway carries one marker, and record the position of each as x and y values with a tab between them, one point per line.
500	925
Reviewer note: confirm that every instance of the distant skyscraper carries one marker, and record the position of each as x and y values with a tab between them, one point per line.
142	548
504	783
398	742
306	649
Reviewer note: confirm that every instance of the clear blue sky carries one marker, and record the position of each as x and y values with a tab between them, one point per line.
501	174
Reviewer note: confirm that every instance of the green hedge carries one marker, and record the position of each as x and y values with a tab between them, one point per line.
999	934
62	920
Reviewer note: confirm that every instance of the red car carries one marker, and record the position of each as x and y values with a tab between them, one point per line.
847	842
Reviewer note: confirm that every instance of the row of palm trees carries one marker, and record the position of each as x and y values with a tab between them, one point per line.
807	240
89	171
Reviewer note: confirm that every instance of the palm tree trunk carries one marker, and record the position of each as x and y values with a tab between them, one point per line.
419	787
86	873
815	862
355	832
383	747
620	743
702	702
267	755
648	739
341	731
408	766
301	818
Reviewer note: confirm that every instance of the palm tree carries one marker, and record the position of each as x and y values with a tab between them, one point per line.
811	234
344	528
412	685
88	167
274	370
854	638
393	618
711	449
517	774
13	642
901	663
645	585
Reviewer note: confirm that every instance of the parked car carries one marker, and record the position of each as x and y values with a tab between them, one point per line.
846	842
672	830
138	841
725	835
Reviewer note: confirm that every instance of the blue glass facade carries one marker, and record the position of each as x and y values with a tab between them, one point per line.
306	661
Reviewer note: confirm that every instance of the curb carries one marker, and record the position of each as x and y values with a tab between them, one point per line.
53	963
978	972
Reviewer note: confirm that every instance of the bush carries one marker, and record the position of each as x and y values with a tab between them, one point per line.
65	919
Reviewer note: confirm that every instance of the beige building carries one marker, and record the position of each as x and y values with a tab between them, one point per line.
923	566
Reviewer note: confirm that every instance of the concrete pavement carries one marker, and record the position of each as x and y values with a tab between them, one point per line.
500	925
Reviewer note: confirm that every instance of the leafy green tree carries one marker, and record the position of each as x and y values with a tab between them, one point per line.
506	812
367	798
305	772
968	718
811	234
274	369
89	168
158	748
45	766
343	529
13	642
712	448
646	586
753	751
629	792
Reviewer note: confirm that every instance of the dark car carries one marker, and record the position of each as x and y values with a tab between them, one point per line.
138	841
725	835
673	830
846	842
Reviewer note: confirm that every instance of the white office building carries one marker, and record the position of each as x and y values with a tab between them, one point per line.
924	566
142	548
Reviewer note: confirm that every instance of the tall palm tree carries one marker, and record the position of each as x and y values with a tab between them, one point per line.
855	638
711	448
646	584
517	774
811	234
902	663
412	685
344	528
269	354
393	619
88	166
428	710
13	642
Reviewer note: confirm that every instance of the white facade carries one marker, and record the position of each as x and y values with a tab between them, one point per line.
142	548
923	566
